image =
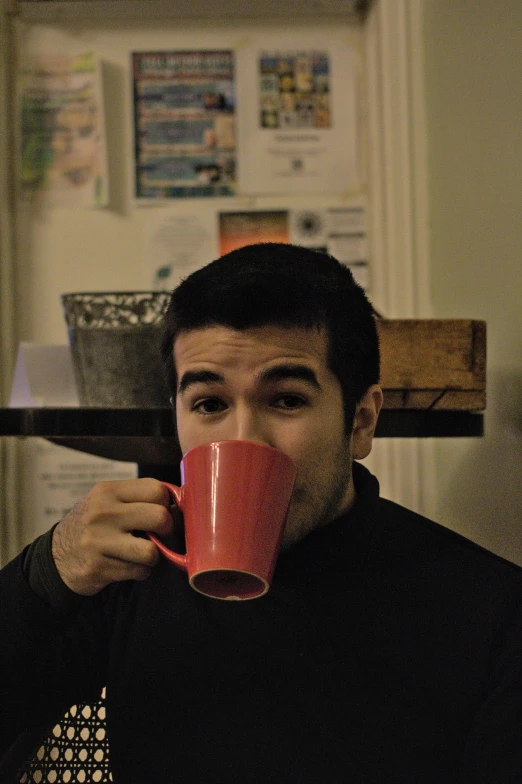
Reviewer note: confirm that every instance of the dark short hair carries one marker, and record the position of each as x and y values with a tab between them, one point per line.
285	285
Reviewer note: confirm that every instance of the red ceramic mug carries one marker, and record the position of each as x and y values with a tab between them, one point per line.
234	499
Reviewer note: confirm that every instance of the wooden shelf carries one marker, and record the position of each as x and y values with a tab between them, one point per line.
433	378
433	364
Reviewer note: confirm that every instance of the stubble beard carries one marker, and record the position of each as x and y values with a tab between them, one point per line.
313	507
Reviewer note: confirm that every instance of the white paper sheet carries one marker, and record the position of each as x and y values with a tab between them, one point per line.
55	477
297	121
337	230
43	376
179	242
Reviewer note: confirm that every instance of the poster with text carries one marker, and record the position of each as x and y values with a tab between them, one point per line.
184	117
55	477
179	240
63	151
298	118
338	231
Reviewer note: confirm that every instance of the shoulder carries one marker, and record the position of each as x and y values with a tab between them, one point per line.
399	533
429	551
406	524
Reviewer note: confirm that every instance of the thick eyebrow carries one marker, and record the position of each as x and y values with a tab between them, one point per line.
199	377
283	372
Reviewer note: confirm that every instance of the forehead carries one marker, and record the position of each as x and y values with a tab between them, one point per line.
250	348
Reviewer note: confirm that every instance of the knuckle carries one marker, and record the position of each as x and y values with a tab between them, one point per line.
163	517
88	539
144	552
151	555
101	489
153	487
167	526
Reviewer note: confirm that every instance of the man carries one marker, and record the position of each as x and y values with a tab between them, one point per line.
388	649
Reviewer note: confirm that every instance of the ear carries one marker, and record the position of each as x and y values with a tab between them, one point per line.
365	421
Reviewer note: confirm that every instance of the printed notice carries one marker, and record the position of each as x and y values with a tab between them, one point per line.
55	477
298	113
179	241
338	231
184	114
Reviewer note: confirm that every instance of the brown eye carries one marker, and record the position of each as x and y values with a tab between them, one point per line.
289	402
211	405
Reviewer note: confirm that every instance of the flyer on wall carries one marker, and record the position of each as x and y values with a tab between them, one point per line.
63	150
180	240
54	477
184	118
298	119
337	230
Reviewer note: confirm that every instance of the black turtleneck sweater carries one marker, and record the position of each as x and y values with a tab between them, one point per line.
388	649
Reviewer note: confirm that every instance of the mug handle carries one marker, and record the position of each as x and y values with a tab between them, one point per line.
178	559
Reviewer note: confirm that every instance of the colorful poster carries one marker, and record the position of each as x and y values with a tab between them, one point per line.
294	90
63	151
339	231
237	229
298	113
184	114
180	240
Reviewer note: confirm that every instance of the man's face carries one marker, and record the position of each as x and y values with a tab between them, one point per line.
271	384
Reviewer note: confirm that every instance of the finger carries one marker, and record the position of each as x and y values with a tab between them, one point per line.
131	550
147	490
143	517
162	522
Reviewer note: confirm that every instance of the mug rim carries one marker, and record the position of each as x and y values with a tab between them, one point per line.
213	444
265	585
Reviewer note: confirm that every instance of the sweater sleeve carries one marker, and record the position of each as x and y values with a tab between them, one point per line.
43	577
53	646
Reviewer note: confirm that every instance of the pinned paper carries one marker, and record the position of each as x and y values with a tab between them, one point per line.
55	477
43	376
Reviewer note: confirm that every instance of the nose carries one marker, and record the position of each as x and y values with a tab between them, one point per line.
250	425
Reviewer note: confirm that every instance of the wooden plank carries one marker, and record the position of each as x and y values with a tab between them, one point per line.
435	399
433	363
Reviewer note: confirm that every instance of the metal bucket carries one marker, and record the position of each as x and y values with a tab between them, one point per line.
115	346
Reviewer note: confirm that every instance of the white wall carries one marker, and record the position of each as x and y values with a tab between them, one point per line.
77	249
473	54
71	249
474	134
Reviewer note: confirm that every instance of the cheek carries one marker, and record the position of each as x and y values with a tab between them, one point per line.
326	452
310	466
301	451
313	444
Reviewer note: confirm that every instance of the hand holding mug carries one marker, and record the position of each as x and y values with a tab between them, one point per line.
95	545
234	499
